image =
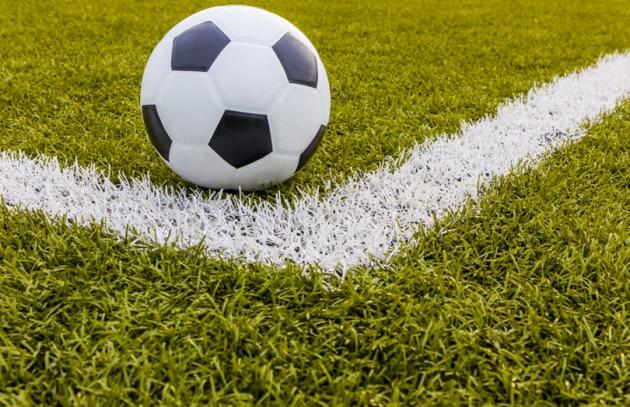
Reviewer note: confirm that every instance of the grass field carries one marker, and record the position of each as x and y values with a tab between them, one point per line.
521	298
399	72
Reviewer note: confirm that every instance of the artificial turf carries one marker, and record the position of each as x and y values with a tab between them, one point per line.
522	298
400	71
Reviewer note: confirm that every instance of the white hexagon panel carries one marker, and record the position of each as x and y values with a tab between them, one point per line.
248	76
235	97
276	168
189	107
295	118
249	24
154	78
201	166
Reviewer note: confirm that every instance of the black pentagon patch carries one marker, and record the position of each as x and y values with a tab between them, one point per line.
157	134
298	61
197	48
310	150
242	138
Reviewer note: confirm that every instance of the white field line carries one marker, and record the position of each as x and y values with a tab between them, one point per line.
364	219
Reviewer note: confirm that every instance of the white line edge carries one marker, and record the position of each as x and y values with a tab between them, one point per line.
364	219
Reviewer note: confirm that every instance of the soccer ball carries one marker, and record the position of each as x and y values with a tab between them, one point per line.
235	97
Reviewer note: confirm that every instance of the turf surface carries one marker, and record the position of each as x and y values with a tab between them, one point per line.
520	299
400	71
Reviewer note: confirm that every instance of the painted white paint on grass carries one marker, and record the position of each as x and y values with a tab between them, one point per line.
365	218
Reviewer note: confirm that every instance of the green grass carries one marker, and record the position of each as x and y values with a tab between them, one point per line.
521	299
400	71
